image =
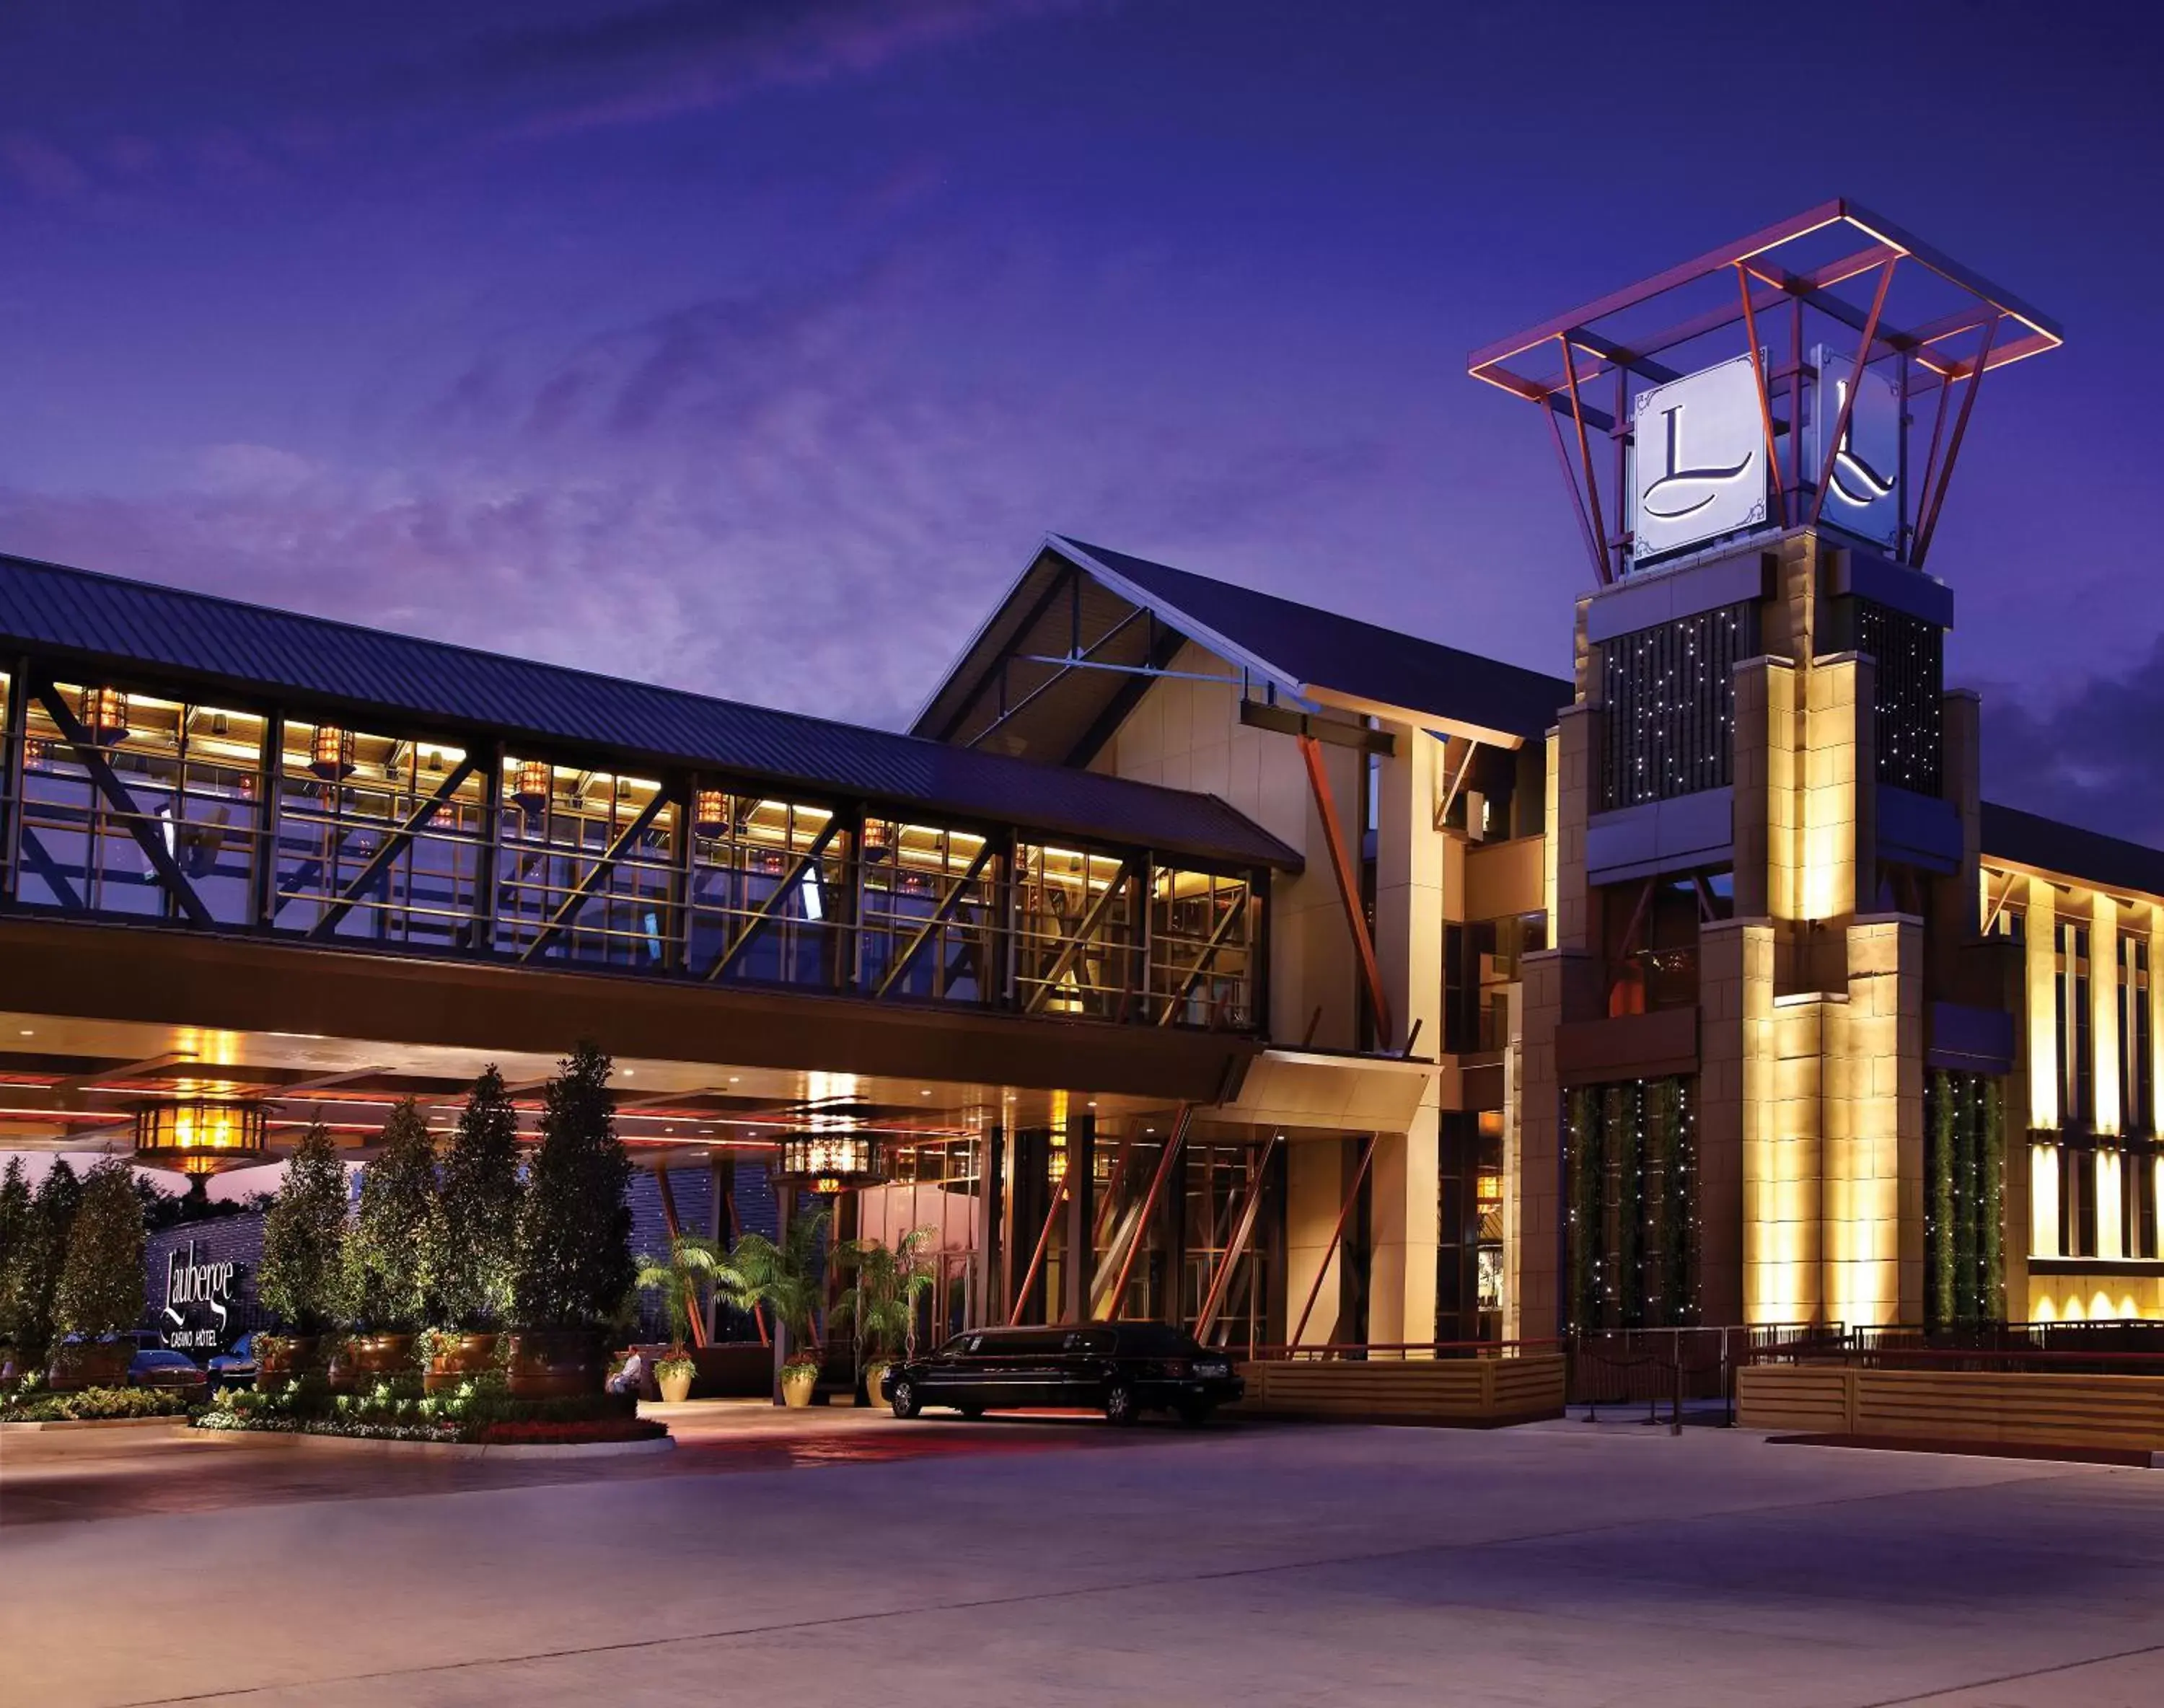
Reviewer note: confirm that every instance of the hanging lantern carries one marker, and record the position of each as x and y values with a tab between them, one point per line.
769	863
330	753
531	791
877	837
710	811
829	1162
105	715
200	1135
37	751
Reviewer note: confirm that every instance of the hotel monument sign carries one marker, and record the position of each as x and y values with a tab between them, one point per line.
1699	460
200	1299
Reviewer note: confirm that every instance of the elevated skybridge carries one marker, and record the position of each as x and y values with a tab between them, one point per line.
263	849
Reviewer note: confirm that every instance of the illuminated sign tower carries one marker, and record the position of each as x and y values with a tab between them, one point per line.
1768	1057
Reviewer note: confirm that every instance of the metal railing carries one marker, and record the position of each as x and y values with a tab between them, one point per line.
2115	1347
1395	1352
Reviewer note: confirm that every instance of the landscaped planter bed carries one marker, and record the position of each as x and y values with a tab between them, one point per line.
96	1406
481	1411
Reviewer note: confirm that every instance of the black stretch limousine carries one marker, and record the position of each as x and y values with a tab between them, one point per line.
1121	1368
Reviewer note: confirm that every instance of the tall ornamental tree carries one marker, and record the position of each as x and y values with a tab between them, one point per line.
14	1230
37	1275
574	1263
301	1277
101	1282
386	1250
473	1236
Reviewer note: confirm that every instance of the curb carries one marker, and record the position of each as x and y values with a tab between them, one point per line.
460	1449
68	1424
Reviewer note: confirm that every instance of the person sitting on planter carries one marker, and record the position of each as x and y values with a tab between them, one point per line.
631	1377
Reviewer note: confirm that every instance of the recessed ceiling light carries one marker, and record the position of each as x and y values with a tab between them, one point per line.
924	1094
1093	1102
629	1073
734	1078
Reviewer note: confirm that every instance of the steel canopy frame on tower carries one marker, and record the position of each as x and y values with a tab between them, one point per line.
1949	325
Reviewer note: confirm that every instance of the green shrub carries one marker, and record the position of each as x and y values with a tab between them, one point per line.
101	1282
575	1266
34	1277
386	1250
301	1276
473	1236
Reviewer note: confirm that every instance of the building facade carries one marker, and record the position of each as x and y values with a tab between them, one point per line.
1197	954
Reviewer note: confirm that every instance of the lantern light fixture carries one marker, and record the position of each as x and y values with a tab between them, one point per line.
531	791
710	811
201	1135
830	1163
105	714
330	752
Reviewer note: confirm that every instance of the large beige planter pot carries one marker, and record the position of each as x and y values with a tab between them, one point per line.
458	1355
675	1385
363	1359
875	1383
283	1357
797	1383
555	1363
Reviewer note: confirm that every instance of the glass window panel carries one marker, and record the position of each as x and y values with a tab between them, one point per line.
1201	943
1078	932
767	898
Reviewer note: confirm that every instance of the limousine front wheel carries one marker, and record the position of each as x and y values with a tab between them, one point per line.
1120	1407
902	1396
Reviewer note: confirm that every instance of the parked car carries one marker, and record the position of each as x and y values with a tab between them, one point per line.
235	1367
1121	1368
156	1367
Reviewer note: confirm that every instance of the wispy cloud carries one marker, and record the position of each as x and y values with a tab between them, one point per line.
2090	754
781	495
655	61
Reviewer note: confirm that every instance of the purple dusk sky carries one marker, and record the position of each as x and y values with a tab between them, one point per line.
749	346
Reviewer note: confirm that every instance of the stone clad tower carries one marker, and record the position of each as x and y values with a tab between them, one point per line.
1765	1058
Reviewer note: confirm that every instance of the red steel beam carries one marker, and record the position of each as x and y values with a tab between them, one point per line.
1929	525
1855	387
1173	1142
1336	1233
1036	1258
1235	1248
1765	401
1585	458
675	1233
1348	884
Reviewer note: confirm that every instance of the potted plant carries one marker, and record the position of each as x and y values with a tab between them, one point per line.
34	1263
692	1262
473	1236
301	1278
573	1270
879	1305
101	1281
385	1251
786	1276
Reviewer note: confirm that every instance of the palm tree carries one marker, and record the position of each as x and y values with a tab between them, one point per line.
786	1276
880	1305
693	1262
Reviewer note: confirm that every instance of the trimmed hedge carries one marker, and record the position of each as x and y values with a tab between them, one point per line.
475	1410
87	1405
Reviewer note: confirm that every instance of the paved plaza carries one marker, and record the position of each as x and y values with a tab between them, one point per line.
846	1558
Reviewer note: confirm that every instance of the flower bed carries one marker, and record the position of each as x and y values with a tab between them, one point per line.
478	1411
87	1405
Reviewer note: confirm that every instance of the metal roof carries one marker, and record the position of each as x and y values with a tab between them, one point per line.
1045	673
2108	862
1320	649
204	641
